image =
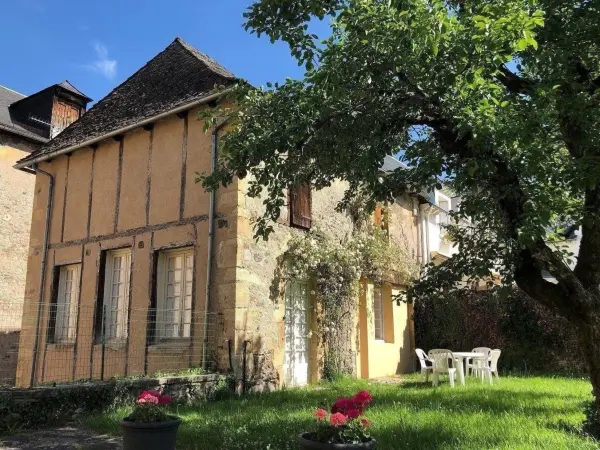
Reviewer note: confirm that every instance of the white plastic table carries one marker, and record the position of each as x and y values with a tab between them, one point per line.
460	357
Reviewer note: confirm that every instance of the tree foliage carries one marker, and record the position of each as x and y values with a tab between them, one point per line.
499	98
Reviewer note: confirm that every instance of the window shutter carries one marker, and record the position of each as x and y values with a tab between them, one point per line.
301	206
378	216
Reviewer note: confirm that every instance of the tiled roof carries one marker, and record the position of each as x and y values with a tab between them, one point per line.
7	122
69	87
177	76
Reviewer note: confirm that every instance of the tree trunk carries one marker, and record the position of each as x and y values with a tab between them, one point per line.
589	340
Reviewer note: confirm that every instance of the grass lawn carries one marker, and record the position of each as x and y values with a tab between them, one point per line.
515	413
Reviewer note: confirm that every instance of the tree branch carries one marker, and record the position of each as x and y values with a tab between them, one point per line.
529	278
514	82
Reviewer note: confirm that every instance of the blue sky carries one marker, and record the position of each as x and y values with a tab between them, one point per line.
98	44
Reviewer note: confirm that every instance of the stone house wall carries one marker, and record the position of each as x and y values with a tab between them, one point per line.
259	312
137	192
16	198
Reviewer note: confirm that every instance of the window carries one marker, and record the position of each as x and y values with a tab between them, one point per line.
63	311
115	301
174	293
378	312
300	206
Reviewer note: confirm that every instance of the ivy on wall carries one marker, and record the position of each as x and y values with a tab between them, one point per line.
335	269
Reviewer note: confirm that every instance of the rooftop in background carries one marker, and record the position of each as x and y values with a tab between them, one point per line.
177	76
32	117
7	98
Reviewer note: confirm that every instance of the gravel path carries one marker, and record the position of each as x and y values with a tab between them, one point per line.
66	438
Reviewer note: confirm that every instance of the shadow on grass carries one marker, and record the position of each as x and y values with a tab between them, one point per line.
407	415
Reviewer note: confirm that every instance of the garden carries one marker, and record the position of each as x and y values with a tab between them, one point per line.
516	412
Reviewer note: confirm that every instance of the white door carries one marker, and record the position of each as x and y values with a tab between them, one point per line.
295	363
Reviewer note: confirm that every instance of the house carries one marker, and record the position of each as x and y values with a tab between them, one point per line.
138	270
26	123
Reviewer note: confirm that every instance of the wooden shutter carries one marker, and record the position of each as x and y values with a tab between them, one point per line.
301	206
378	216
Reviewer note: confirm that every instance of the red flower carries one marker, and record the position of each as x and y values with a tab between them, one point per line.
320	414
338	419
342	405
365	423
362	399
165	399
353	413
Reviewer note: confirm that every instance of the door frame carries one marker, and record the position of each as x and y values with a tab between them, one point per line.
308	317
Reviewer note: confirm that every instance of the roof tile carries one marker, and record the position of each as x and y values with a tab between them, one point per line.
178	75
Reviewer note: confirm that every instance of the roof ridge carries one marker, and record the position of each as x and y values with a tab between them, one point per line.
176	76
211	63
12	90
107	96
73	87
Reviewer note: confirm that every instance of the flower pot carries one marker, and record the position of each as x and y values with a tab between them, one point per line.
150	436
306	443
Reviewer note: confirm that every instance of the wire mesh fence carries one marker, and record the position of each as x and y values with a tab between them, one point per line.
63	342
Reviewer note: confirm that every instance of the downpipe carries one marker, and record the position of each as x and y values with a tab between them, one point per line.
43	270
211	239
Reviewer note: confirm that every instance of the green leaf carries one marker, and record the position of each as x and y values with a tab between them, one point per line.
521	44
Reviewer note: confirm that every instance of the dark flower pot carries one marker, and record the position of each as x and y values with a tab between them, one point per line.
150	436
306	443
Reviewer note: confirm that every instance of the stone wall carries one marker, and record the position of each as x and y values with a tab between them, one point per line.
259	307
16	197
9	352
37	407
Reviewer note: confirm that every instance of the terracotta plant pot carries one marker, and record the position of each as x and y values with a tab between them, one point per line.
150	436
306	443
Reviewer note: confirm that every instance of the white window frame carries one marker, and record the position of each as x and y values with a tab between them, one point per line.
378	313
174	300
116	304
67	302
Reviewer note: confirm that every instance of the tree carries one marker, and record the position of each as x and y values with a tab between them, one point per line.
498	98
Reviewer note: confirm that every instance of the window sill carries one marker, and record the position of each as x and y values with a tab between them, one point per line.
174	345
113	345
60	345
383	342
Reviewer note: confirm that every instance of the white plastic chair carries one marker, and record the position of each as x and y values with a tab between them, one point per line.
494	357
441	359
424	360
474	364
488	369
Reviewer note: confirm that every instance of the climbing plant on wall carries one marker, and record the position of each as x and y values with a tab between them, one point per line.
336	268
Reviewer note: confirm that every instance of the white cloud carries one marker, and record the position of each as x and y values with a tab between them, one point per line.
102	64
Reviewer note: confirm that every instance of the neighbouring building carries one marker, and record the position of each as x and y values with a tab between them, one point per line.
26	123
138	277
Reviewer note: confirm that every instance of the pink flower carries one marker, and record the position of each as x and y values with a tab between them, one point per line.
146	397
338	419
320	414
365	423
154	398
